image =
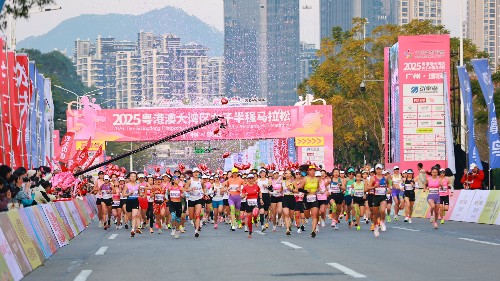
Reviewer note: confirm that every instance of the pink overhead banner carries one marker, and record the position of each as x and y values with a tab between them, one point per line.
243	123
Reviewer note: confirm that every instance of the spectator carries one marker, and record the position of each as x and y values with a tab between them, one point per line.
4	201
473	179
23	194
422	176
451	179
5	172
42	195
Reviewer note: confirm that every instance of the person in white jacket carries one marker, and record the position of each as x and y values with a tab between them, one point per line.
42	195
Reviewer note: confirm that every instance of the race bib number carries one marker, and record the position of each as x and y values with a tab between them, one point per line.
105	195
359	193
135	193
116	203
388	196
334	189
433	190
233	187
159	197
408	187
175	194
252	202
443	189
311	198
380	191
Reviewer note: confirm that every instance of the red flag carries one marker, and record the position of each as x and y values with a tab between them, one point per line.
5	122
81	156
17	161
57	142
91	160
24	95
66	146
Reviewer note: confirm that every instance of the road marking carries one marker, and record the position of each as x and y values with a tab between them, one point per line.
260	232
291	245
479	241
113	236
346	270
101	251
404	228
84	274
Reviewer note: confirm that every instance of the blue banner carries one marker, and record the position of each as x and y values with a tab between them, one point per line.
464	79
31	145
483	73
450	151
292	152
263	151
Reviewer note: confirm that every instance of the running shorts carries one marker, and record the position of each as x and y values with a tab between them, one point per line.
275	200
217	203
377	200
98	201
410	194
243	206
108	202
176	207
338	198
235	200
445	200
323	202
143	203
348	200
395	192
225	202
434	197
123	202
191	203
132	203
289	202
116	204
266	198
299	206
388	198
359	201
369	199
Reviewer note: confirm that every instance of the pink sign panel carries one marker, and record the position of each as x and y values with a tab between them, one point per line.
422	64
151	124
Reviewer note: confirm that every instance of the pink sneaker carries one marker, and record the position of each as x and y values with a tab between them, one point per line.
216	226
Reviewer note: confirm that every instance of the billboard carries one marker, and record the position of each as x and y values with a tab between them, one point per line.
416	101
280	122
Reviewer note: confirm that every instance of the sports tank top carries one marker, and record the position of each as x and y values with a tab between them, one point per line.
335	186
133	189
321	193
263	184
359	188
381	189
197	191
276	188
175	192
311	185
349	189
433	185
287	187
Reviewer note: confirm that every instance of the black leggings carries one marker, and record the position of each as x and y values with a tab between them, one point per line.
150	215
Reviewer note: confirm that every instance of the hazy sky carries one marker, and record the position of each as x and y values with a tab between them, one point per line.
209	11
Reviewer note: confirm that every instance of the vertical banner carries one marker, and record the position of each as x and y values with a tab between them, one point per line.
66	146
14	111
5	121
280	152
465	88
422	62
56	140
448	131
23	87
483	74
292	151
32	144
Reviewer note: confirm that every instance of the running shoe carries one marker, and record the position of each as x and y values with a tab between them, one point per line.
372	227
240	226
263	228
409	220
132	233
375	232
322	223
358	227
313	234
299	230
435	225
169	226
101	224
120	226
333	223
159	231
138	231
396	218
341	217
388	218
406	219
274	228
267	225
302	227
382	226
105	227
431	219
176	234
246	228
216	226
442	221
196	234
126	226
288	233
183	230
367	221
336	227
233	228
151	231
173	232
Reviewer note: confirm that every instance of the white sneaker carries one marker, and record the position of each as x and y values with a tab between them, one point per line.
101	224
176	235
299	230
382	226
432	219
375	231
322	223
246	228
406	219
333	223
263	228
336	227
409	220
173	232
120	226
274	227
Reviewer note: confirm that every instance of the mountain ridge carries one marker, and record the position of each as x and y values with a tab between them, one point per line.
125	27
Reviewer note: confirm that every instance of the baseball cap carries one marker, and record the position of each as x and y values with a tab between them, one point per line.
404	172
262	170
342	172
121	179
101	173
372	170
140	175
379	166
409	171
204	177
106	177
473	165
234	170
396	168
350	170
317	174
250	176
196	170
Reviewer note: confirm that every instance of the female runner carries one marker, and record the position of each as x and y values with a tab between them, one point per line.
396	190
309	185
251	192
117	207
265	200
335	197
175	208
131	191
378	183
288	200
159	203
143	201
322	195
444	194
97	192
233	185
276	199
106	201
196	190
434	183
349	193
217	201
299	203
359	199
409	186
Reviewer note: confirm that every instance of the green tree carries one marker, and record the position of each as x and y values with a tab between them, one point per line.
20	9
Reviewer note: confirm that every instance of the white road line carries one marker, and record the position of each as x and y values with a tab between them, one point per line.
101	251
404	228
291	245
260	232
479	241
84	274
346	270
113	236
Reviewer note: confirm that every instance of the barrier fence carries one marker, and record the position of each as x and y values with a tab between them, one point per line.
477	206
29	236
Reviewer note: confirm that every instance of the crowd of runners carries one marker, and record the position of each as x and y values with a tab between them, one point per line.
306	199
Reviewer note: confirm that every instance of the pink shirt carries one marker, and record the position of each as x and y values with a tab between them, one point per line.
322	194
444	190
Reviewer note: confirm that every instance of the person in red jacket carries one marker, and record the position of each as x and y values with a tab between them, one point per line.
474	178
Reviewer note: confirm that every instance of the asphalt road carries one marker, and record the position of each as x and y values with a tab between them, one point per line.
456	251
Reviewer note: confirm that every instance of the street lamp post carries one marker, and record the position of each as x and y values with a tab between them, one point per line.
78	97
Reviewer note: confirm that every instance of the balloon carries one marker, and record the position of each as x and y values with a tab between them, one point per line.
216	131
226	155
224	101
168	171
157	169
123	170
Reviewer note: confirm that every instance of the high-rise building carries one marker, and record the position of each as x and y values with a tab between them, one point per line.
262	49
421	10
145	40
482	27
128	79
308	60
216	83
341	12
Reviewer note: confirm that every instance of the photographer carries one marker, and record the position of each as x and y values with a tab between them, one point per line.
473	179
42	194
22	193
